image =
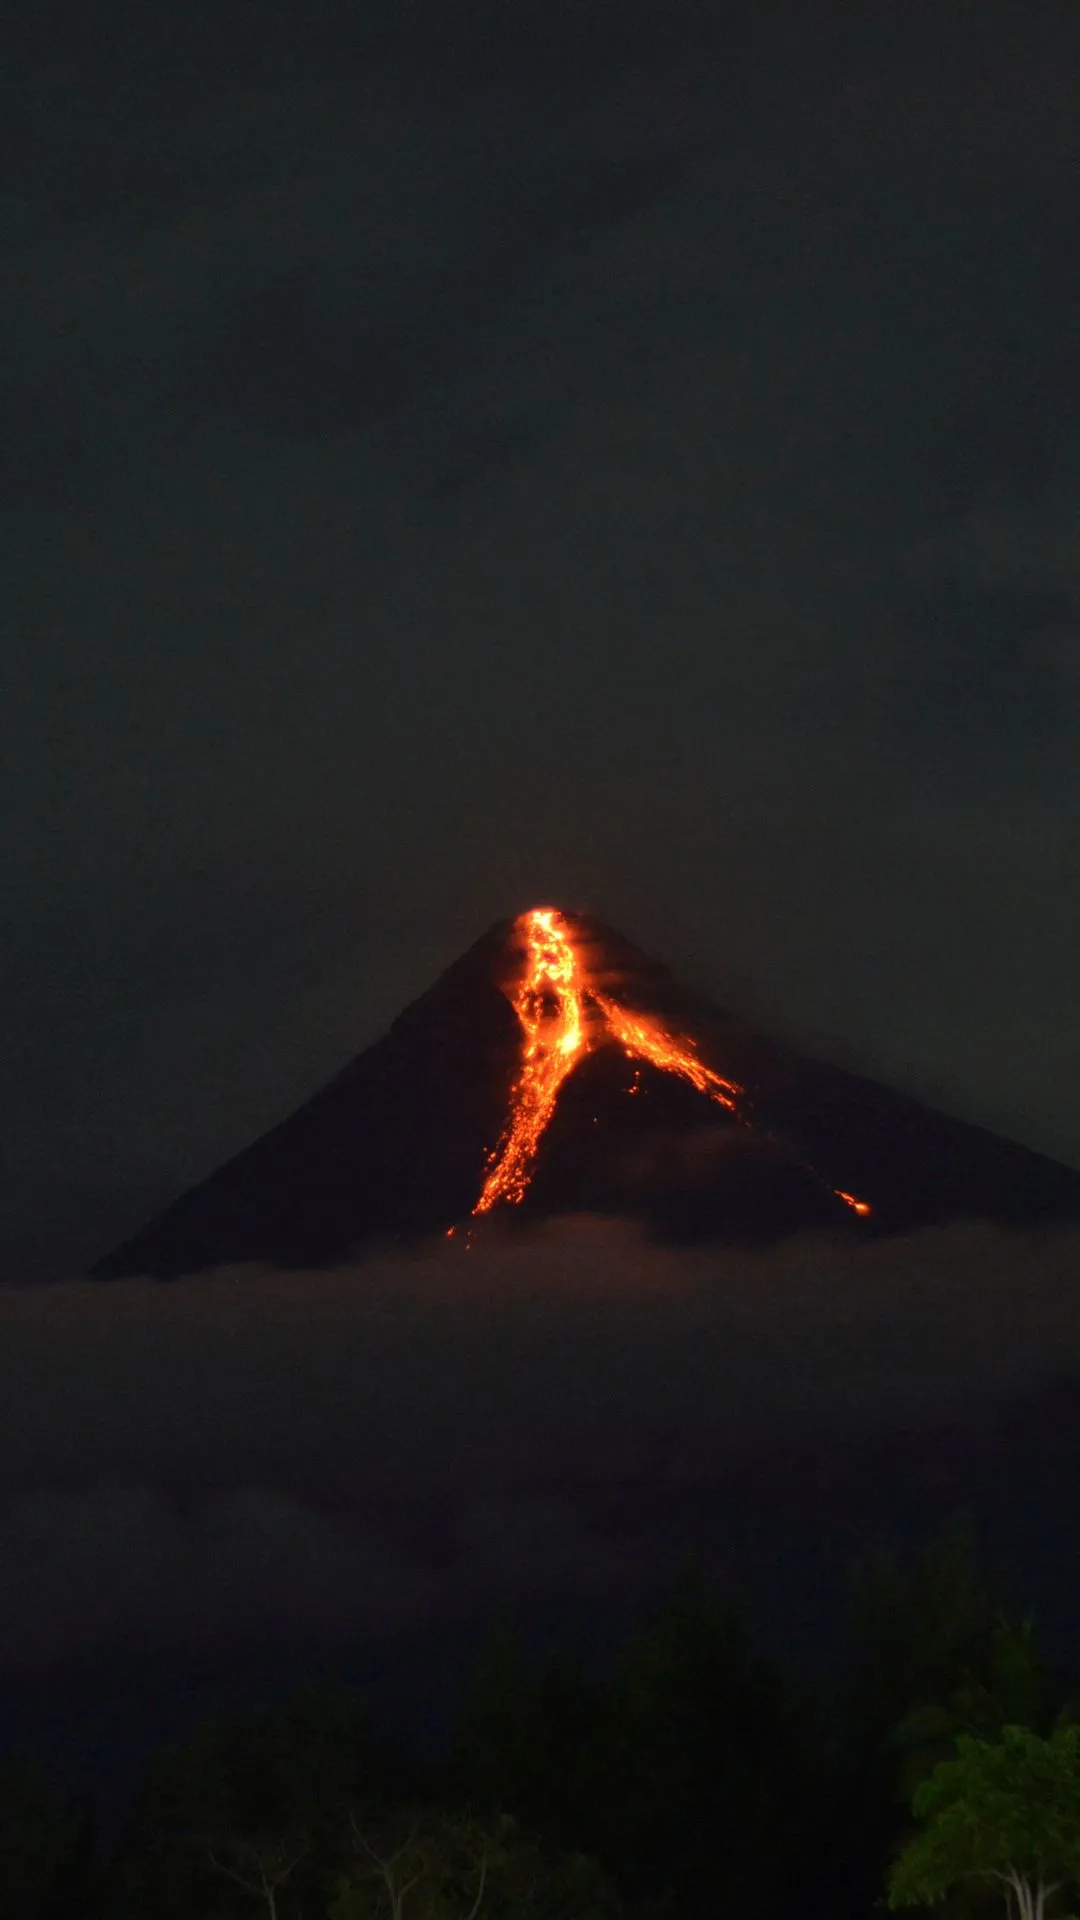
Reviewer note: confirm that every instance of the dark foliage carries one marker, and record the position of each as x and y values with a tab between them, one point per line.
686	1775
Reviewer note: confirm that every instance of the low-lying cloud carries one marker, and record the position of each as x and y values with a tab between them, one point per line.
254	1457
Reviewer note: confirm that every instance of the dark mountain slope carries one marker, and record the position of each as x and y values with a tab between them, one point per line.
397	1144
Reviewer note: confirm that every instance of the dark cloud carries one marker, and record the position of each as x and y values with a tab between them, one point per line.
257	1459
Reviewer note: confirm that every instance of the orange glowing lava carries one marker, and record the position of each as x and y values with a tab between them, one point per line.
553	1003
643	1038
550	1003
563	1017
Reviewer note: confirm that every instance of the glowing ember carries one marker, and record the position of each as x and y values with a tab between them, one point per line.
562	1019
849	1200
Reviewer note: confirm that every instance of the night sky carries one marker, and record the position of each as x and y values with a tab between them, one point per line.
460	456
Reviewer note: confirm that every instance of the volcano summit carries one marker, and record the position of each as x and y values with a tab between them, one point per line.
556	1069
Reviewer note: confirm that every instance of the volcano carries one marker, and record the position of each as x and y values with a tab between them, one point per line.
556	1069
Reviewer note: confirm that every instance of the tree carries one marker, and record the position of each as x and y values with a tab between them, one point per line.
939	1655
260	1866
433	1865
252	1810
416	1865
1005	1811
701	1784
46	1864
519	1743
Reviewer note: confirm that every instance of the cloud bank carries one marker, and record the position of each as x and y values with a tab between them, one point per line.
257	1459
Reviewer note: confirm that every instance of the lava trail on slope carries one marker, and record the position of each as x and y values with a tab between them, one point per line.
564	1016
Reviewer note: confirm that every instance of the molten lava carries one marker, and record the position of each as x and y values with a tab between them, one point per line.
553	1003
563	1017
645	1039
849	1200
550	1004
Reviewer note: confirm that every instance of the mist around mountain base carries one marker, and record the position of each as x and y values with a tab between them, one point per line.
257	1476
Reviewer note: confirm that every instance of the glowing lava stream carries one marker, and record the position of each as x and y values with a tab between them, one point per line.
857	1206
646	1039
552	1004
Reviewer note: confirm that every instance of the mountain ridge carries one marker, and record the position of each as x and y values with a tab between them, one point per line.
396	1145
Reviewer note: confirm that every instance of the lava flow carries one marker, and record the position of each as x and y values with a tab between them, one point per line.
553	1004
563	1018
857	1206
645	1039
550	1004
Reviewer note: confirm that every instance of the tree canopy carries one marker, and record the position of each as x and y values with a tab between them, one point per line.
1007	1811
679	1773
